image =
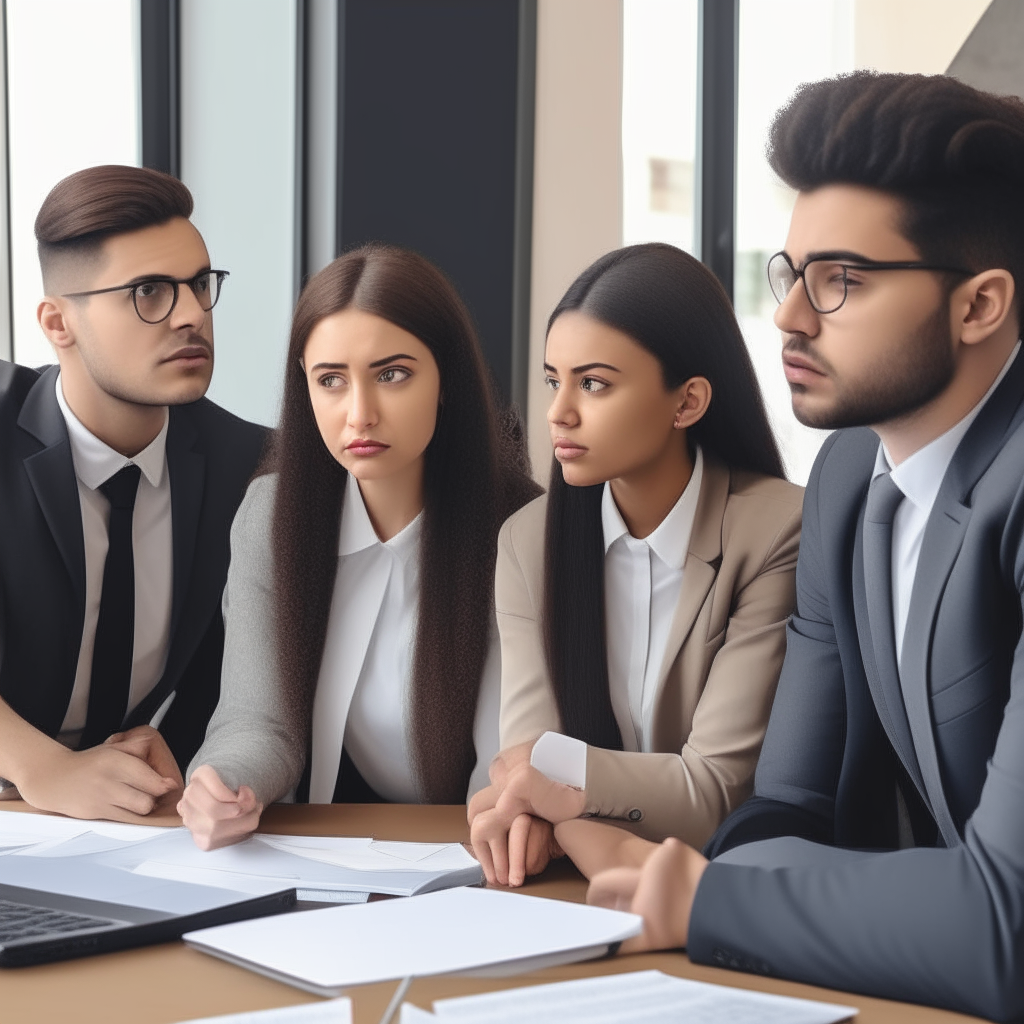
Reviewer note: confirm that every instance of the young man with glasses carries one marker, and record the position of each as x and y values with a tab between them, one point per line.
118	485
883	850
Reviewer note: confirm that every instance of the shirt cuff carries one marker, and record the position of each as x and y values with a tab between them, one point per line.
561	758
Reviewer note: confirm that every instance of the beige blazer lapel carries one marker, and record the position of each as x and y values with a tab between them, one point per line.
699	571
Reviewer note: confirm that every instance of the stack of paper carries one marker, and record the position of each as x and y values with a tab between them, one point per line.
643	997
319	868
325	951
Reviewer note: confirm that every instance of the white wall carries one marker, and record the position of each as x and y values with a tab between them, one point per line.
238	134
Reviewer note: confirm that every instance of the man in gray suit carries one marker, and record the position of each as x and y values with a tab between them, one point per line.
883	850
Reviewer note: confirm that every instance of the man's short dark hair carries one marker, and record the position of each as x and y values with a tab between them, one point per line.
952	154
89	206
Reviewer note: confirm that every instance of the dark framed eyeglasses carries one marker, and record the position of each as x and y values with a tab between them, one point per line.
154	298
825	277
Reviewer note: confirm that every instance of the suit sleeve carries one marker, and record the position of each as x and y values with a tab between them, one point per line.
255	737
689	794
528	706
944	927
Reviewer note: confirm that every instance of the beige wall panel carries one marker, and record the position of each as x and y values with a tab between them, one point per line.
577	211
912	36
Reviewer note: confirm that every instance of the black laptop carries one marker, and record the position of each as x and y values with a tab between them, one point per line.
88	908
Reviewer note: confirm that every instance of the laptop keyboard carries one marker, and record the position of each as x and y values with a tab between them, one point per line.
23	921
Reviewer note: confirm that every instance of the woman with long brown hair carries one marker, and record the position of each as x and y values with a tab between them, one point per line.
360	659
642	603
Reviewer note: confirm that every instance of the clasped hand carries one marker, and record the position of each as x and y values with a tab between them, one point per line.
214	813
512	820
132	773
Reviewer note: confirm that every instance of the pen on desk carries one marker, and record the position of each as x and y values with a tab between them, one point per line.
396	1000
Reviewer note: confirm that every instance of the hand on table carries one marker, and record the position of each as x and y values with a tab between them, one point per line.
511	821
215	814
129	774
595	846
661	892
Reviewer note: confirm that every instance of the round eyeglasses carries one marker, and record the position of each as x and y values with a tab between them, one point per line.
826	279
154	298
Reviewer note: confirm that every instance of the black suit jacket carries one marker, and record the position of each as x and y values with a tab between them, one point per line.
211	455
806	881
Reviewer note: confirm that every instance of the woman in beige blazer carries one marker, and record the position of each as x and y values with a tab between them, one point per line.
642	603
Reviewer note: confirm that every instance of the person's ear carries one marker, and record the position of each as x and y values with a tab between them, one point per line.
982	305
54	323
693	399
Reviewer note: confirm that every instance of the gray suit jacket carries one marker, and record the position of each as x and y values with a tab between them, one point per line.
806	881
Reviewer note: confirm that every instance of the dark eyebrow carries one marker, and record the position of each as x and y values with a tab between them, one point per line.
842	255
139	278
373	366
595	366
391	359
585	367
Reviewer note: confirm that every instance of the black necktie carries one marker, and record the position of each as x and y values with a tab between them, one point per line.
111	677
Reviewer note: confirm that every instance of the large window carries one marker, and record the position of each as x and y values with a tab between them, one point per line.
659	121
72	102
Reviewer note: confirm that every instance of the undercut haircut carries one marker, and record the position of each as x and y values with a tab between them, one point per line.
86	208
953	156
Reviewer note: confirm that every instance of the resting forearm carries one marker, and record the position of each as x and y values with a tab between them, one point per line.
23	748
658	795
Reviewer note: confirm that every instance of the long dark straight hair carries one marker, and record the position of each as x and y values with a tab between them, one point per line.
674	307
474	477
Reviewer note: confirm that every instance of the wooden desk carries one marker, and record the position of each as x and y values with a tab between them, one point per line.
170	983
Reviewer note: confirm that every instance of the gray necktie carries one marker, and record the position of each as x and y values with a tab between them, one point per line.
884	498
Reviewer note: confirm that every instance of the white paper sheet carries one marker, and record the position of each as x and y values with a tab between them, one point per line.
334	1011
373	855
324	951
257	885
642	997
310	864
45	827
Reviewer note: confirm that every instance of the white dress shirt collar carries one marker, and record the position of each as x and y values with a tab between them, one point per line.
96	462
672	537
920	475
357	532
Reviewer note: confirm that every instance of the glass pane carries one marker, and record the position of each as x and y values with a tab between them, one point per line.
659	121
238	158
73	103
784	43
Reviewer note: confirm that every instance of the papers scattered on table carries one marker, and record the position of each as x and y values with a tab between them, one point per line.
325	951
374	854
331	865
321	868
642	997
18	826
334	1011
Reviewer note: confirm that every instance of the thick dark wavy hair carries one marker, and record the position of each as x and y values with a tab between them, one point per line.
952	154
674	307
475	475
